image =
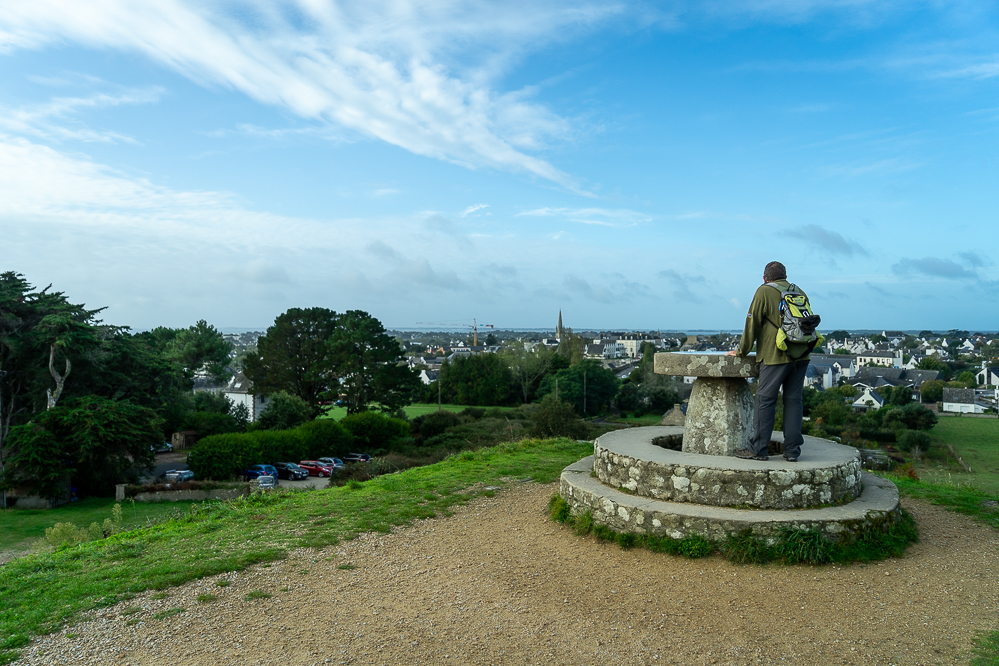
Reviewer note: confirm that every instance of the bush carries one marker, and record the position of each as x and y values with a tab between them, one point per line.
557	418
913	416
284	411
372	430
435	423
326	437
911	439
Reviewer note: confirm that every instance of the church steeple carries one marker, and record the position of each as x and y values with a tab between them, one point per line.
558	331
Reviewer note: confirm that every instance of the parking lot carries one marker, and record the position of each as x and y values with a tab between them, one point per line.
177	460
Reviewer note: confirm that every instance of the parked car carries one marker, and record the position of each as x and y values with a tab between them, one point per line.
266	482
256	471
317	468
357	457
333	462
178	475
165	447
291	471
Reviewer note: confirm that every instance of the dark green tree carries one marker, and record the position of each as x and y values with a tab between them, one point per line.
295	356
587	386
200	347
483	379
370	365
99	442
557	418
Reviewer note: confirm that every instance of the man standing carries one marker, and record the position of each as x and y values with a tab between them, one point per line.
778	369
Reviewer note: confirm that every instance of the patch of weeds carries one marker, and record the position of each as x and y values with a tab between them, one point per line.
284	589
488	493
796	546
986	649
880	545
159	595
71	635
257	594
584	524
695	546
304	571
747	548
627	540
346	567
603	533
662	544
559	509
206	598
134	621
170	612
354	484
223	583
131	610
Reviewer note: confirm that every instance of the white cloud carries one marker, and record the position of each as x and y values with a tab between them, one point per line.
596	216
417	75
54	119
472	209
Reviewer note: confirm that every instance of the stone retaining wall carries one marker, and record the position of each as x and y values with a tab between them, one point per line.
877	509
719	486
192	495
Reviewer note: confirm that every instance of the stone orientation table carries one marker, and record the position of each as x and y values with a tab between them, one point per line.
720	410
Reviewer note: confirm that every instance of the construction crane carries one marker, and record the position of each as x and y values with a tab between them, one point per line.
474	326
475	331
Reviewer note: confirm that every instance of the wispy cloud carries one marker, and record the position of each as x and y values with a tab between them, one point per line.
933	267
416	75
681	284
596	216
827	241
872	168
472	209
56	119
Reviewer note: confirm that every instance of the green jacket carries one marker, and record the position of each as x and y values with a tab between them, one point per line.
761	328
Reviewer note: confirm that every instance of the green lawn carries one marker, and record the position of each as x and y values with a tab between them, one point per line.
977	442
19	527
41	592
412	411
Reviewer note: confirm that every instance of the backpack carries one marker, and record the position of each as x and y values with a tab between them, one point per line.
798	323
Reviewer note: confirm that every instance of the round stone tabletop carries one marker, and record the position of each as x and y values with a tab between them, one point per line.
706	364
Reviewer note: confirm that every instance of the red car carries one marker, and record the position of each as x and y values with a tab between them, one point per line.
317	468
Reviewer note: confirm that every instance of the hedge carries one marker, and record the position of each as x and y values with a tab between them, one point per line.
221	457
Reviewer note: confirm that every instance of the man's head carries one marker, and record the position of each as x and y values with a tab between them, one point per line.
774	271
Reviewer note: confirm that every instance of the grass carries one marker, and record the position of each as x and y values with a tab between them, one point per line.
412	411
206	598
170	612
42	592
977	442
257	594
19	528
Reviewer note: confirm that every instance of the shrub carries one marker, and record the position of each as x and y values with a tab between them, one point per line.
372	430
325	437
911	439
557	418
435	423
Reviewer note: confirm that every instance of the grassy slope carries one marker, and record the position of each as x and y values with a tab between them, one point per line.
41	592
977	442
19	527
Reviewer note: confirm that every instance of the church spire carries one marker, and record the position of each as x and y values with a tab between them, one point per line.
558	331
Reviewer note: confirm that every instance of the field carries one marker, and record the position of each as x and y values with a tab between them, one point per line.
977	442
412	411
20	527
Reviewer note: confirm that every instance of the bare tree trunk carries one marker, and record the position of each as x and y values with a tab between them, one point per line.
60	380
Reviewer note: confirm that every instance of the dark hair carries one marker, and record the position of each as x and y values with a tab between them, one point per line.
775	271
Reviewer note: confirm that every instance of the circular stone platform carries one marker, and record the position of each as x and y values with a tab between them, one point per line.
632	485
827	473
719	416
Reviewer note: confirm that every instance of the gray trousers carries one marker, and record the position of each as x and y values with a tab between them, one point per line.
791	378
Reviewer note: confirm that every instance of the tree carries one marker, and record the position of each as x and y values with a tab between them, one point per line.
368	362
491	340
839	335
284	411
528	367
295	356
588	386
483	379
932	391
101	442
201	346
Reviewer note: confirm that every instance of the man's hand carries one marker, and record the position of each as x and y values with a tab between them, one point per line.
731	353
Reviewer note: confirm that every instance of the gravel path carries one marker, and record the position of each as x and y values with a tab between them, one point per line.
499	583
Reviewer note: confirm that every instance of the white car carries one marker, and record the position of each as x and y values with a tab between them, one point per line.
333	462
178	475
266	482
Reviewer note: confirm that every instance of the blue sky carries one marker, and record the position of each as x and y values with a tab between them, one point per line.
634	165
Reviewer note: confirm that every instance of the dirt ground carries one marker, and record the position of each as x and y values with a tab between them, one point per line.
499	583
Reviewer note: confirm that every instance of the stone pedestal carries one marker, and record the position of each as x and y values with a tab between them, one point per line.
719	416
720	411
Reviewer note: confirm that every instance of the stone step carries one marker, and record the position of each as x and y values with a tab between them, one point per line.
877	508
826	473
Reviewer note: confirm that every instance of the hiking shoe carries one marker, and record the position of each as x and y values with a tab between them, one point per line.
790	458
746	454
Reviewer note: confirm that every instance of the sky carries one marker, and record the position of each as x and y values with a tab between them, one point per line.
431	162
